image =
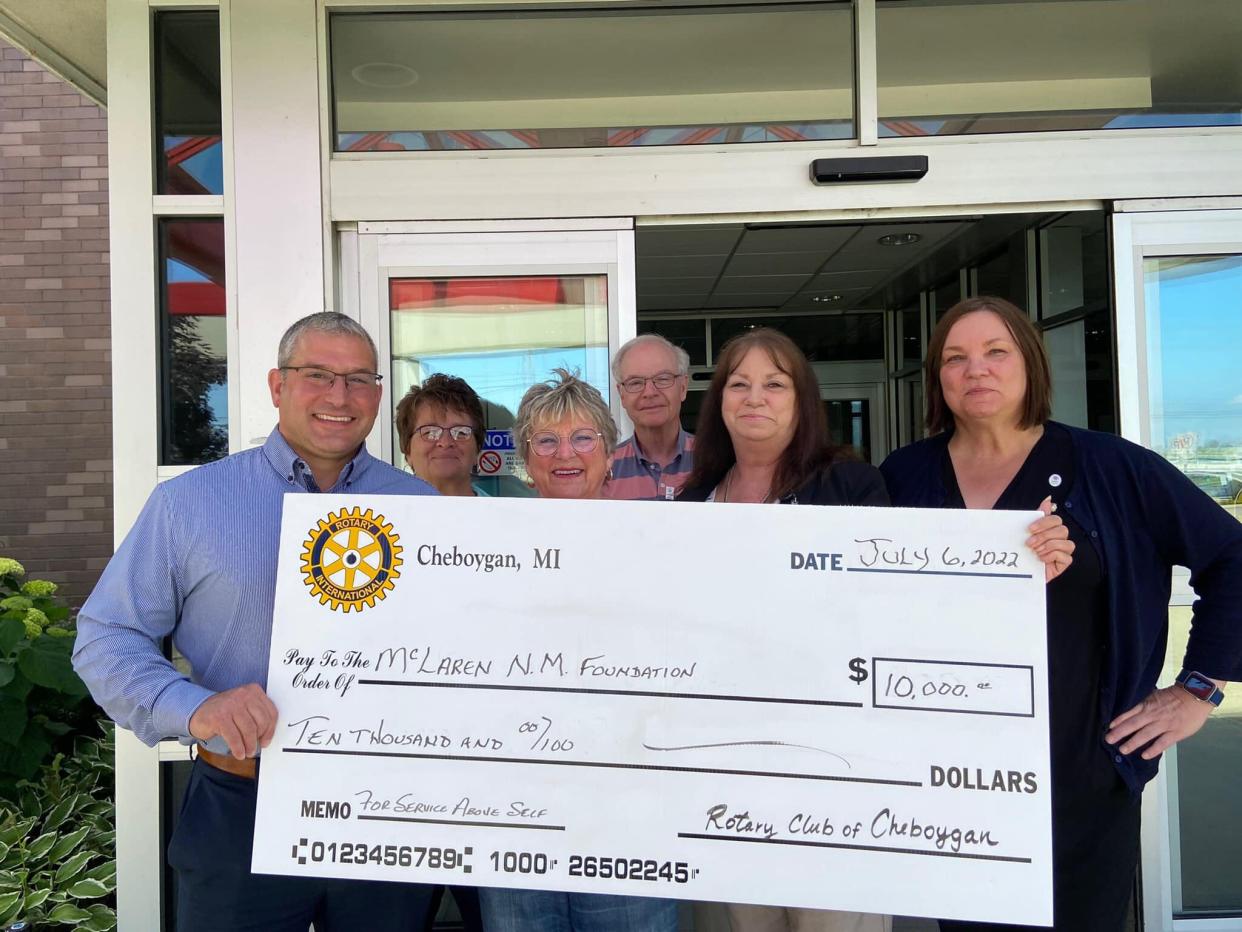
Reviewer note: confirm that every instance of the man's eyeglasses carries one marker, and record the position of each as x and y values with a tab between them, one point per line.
323	379
433	432
546	443
661	380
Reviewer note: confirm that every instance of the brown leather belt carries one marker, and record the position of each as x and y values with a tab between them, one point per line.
247	768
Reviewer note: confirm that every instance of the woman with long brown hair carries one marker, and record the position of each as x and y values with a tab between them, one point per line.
762	435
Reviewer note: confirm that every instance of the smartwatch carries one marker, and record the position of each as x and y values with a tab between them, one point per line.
1200	687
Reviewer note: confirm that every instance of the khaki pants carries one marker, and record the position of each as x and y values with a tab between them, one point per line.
797	919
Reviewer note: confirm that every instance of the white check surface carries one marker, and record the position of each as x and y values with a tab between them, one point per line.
829	707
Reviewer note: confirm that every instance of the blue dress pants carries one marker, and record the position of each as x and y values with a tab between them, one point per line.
210	851
552	911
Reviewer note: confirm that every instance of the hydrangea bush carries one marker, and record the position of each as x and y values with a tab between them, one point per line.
43	702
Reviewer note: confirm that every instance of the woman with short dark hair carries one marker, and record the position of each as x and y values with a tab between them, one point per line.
440	428
1131	515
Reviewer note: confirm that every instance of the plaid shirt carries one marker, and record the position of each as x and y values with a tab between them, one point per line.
634	477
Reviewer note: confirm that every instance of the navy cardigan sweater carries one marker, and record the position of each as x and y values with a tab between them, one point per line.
1143	517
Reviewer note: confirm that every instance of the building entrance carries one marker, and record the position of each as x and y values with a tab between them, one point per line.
860	299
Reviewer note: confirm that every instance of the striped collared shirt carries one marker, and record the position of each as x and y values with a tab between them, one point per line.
634	477
199	564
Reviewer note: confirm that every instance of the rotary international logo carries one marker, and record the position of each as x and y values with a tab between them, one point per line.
351	559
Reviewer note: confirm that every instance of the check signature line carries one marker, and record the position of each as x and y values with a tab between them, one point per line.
611	692
743	744
851	847
606	765
393	818
878	569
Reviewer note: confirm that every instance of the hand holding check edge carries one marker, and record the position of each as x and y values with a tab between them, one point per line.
243	716
1050	541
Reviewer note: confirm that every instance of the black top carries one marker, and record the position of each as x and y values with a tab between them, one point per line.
1142	516
1089	798
844	483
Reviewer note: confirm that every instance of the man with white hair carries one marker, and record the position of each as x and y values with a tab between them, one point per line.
652	377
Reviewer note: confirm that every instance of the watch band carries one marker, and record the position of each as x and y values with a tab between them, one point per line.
1200	687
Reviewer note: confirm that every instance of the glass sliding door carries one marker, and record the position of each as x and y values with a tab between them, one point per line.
1180	279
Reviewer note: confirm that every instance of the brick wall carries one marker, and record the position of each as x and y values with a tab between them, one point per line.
55	372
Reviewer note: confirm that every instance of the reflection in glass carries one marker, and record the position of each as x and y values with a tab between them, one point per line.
193	359
1193	310
187	103
910	351
501	335
945	296
602	78
948	67
849	424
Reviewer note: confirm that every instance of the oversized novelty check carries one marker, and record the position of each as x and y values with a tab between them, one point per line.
826	707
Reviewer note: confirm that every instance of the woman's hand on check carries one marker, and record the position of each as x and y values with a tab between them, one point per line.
1050	541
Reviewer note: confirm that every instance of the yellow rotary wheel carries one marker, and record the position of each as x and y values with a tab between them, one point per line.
350	559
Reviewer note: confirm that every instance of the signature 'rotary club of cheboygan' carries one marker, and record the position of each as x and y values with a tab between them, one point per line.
351	559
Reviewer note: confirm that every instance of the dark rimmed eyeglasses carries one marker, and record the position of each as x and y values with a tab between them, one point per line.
546	443
661	380
322	379
433	432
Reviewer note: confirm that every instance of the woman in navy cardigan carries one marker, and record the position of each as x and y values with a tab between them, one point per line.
1132	517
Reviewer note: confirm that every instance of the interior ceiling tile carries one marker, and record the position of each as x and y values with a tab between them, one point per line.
686	241
858	278
760	283
865	251
657	267
670	302
758	301
850	297
699	286
809	238
804	263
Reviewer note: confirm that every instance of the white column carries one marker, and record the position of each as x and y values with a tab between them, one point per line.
277	193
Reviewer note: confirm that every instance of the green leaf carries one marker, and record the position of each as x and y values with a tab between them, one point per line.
7	671
9	900
105	872
59	813
74	866
36	898
66	844
68	912
13	717
40	846
11	632
88	890
58	729
19	688
23	761
47	663
56	613
103	918
15	829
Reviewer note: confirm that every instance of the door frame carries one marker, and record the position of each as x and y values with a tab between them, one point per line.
371	254
1142	230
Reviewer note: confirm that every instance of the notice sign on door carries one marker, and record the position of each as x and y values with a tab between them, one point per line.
499	456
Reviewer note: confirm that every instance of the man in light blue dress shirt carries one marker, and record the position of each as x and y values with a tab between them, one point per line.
199	565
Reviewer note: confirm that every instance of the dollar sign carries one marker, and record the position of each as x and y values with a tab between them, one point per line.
858	670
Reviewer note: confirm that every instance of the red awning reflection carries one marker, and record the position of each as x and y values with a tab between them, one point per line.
196	299
482	293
